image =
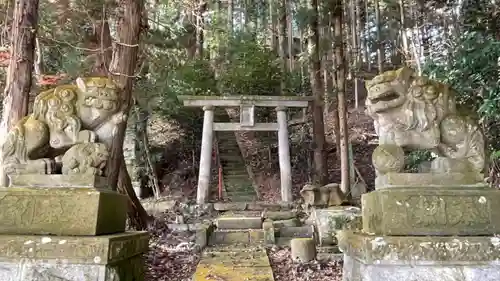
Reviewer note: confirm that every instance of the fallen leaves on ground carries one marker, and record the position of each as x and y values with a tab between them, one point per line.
172	256
285	269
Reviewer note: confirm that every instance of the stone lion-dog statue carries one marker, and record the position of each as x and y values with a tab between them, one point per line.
88	111
415	112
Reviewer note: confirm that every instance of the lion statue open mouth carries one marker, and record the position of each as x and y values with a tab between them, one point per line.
419	113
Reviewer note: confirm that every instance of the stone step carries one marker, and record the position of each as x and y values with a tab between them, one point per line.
231	221
234	171
239	193
239	187
271	208
293	222
242	198
279	215
237	236
230	264
235	175
306	231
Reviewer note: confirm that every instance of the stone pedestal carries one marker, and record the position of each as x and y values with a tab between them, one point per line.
425	233
67	228
425	258
41	204
116	257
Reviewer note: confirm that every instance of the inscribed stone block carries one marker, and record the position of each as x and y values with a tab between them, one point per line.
61	211
432	211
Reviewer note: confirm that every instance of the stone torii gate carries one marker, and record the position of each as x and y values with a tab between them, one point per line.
247	106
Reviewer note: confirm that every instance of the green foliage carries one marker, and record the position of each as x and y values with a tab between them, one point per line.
471	67
251	69
415	158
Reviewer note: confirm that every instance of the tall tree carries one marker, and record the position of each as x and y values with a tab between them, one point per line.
320	161
404	37
281	41
20	70
337	14
122	69
355	50
379	43
22	58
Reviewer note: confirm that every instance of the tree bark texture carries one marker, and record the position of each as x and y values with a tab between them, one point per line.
337	14
122	69
22	58
320	161
379	43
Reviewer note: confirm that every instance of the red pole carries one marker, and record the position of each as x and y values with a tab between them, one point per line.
220	182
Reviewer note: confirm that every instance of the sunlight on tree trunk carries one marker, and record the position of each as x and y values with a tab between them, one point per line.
19	72
380	45
122	69
337	14
320	163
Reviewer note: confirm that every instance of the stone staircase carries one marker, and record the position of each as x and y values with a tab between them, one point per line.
237	185
259	228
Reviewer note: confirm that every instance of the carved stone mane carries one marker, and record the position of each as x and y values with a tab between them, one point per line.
67	115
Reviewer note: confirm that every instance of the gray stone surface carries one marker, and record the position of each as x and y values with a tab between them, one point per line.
117	257
419	258
59	270
328	221
357	270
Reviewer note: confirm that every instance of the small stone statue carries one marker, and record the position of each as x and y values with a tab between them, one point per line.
63	119
322	196
415	112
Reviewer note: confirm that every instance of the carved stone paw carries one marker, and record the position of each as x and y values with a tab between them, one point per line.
85	158
388	158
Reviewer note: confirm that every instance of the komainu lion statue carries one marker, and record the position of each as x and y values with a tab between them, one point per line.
85	112
419	113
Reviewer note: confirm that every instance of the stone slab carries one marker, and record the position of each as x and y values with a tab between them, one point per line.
420	250
391	180
243	237
61	211
57	181
245	264
104	249
328	221
432	211
355	270
306	231
29	270
279	215
239	222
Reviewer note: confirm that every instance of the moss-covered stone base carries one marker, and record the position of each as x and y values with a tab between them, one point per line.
234	265
444	250
432	211
418	258
61	211
116	257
